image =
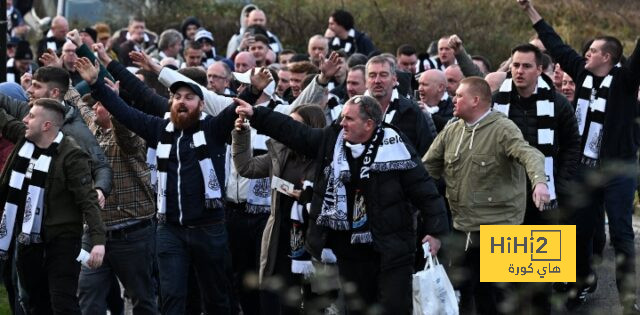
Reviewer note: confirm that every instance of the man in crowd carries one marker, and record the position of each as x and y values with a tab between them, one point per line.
133	39
606	112
454	75
244	62
258	17
190	168
356	83
127	215
169	45
193	55
259	49
398	111
219	77
546	120
375	255
480	157
346	36
432	88
46	196
317	48
56	37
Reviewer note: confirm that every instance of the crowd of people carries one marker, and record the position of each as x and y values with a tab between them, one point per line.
155	170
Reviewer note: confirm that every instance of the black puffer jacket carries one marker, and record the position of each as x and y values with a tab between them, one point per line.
391	196
566	148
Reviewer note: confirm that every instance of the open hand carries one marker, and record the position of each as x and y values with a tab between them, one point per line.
51	59
87	70
260	79
329	67
144	61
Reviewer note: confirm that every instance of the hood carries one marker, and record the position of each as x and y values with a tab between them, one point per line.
189	21
13	90
246	8
486	121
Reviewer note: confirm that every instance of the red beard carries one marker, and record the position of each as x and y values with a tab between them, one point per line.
182	122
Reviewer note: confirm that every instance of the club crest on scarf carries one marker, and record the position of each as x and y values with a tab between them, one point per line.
3	226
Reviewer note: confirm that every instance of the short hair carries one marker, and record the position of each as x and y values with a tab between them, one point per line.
381	59
358	68
369	108
356	59
54	107
406	50
287	52
262	38
478	87
343	18
196	74
53	77
256	30
612	46
303	67
312	115
168	38
529	48
227	69
192	44
135	18
484	60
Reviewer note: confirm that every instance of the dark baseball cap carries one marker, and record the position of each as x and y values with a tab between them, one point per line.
194	87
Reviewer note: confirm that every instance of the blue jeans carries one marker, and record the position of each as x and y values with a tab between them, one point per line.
129	256
206	249
612	189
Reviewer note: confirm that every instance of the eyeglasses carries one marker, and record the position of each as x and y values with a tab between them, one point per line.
216	77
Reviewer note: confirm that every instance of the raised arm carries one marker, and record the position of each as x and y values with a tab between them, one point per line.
468	68
295	135
246	164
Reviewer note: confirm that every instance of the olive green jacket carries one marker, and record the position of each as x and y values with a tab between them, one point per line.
482	166
69	196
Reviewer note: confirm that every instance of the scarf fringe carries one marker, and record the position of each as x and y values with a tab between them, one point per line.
303	267
361	238
26	239
257	209
215	203
338	225
393	166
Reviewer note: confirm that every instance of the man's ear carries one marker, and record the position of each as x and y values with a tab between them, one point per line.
54	93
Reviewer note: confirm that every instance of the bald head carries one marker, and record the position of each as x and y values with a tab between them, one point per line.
257	17
317	48
454	76
244	61
495	79
431	85
59	27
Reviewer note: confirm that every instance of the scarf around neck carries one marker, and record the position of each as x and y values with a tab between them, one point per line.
385	152
32	197
212	191
546	124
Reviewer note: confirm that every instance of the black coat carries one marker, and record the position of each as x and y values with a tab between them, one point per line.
391	197
566	150
620	132
410	119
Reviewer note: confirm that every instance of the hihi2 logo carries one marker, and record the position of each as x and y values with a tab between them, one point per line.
527	253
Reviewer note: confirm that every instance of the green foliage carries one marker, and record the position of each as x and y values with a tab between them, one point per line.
488	27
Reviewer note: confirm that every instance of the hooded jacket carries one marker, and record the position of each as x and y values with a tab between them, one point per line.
235	40
482	167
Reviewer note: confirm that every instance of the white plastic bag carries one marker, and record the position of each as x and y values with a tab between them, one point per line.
432	290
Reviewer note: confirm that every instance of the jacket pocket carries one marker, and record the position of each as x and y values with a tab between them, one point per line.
484	171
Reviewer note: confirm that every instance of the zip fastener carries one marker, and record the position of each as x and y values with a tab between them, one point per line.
179	165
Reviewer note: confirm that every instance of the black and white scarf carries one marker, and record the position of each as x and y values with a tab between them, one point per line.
33	197
546	124
347	45
385	152
591	107
212	191
152	162
300	258
259	190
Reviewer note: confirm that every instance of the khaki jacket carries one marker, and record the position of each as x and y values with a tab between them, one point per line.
270	164
482	166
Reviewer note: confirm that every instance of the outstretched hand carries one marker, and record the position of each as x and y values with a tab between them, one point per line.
244	109
329	67
51	59
102	53
87	70
260	79
144	61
